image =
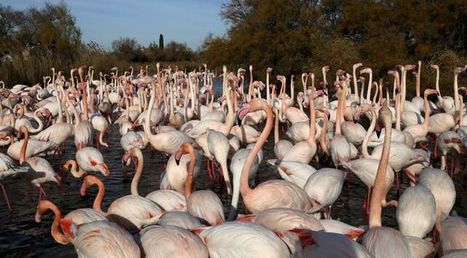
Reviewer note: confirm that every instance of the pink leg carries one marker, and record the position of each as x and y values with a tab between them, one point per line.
210	173
366	205
397	185
42	192
6	198
435	153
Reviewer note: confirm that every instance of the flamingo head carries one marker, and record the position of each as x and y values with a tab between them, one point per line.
88	181
430	92
126	159
184	149
101	167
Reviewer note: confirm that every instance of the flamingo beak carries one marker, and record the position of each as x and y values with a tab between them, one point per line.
126	161
178	156
243	112
105	170
38	216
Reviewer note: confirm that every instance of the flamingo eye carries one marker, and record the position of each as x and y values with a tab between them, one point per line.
93	163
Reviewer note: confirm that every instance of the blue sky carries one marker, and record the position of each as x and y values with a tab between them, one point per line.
102	21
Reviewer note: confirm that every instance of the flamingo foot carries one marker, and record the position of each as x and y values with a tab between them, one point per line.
7	200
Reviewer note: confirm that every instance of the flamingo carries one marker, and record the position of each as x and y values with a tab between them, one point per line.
324	187
88	159
168	142
169	200
180	219
416	211
203	204
9	168
383	241
130	211
240	239
171	241
272	193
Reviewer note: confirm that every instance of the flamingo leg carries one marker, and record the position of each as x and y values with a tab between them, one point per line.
435	153
412	178
7	200
210	172
41	192
398	184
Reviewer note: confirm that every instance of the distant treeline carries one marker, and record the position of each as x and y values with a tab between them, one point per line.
291	36
34	40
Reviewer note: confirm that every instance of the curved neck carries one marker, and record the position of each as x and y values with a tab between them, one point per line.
426	109
368	134
244	187
190	172
75	170
39	122
55	230
139	170
379	190
92	180
24	146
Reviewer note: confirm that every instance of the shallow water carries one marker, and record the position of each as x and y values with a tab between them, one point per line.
21	236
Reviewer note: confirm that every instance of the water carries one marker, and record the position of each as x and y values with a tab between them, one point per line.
21	236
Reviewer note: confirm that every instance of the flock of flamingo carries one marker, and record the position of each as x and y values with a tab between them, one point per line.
179	115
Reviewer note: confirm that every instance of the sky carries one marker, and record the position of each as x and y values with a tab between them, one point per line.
102	21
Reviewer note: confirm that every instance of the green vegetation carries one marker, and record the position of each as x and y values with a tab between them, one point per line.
296	35
290	36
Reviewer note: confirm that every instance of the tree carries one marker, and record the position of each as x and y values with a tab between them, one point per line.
127	48
161	42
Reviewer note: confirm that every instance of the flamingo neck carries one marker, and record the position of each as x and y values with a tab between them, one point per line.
85	101
323	140
189	176
39	122
276	128
456	92
244	187
312	131
75	170
437	82
426	109
97	205
379	190
139	170
368	134
55	229
417	81
24	146
147	125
